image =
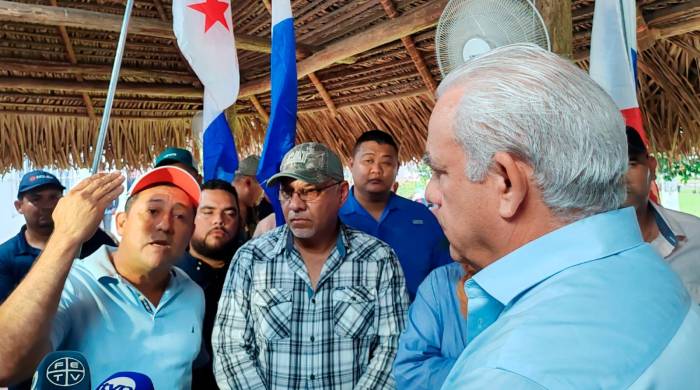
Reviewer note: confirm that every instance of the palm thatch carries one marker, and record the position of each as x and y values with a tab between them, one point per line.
54	72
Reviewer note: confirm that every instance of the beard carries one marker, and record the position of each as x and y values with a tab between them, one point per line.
222	251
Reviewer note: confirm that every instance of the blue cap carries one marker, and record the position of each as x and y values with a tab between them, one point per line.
36	179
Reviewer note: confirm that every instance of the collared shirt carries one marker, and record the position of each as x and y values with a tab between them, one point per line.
678	243
410	229
103	316
17	257
436	332
274	331
211	280
587	306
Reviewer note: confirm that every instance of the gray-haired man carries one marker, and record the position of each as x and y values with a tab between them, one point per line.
529	160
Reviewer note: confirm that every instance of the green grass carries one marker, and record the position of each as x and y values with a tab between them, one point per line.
689	201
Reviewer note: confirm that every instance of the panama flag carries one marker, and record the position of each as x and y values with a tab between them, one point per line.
614	57
281	130
204	32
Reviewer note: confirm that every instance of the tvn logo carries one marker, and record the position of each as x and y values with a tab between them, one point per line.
118	383
65	372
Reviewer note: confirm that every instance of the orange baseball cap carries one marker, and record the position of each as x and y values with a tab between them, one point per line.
171	175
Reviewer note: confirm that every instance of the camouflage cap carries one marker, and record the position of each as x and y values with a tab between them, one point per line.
311	162
248	166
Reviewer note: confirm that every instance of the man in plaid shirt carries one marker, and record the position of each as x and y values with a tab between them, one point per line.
312	304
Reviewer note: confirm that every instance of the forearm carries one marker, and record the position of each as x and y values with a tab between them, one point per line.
26	316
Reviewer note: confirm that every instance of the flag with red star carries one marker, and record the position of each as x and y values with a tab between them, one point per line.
204	32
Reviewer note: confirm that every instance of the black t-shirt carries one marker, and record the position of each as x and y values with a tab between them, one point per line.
211	280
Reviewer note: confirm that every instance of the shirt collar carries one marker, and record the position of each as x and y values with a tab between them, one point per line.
671	231
100	265
351	204
23	247
286	241
585	240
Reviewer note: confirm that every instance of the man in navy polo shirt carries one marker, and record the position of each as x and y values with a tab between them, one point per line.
407	226
37	196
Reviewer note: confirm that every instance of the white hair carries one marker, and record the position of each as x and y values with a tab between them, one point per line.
526	101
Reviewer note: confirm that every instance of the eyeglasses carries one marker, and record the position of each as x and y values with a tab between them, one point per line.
306	195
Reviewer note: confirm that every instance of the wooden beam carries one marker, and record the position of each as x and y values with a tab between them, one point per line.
324	93
418	19
72	17
259	108
111	117
74	60
672	14
312	76
410	46
11	11
657	25
558	19
267	5
94	87
93	70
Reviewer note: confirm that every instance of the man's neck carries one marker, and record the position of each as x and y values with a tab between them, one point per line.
36	239
213	263
374	203
151	284
647	223
315	252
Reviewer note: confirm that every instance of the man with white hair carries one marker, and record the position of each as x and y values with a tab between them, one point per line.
529	159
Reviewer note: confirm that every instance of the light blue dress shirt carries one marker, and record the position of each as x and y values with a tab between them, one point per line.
587	306
104	317
436	332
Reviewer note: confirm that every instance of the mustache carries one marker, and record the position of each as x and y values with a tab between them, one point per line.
159	239
293	214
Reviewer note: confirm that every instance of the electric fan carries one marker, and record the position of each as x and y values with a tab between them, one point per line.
468	28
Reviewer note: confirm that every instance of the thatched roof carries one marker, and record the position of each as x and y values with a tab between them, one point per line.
357	72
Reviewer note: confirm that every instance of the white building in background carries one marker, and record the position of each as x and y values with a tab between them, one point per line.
12	221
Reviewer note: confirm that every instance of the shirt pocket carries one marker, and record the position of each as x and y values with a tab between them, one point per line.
353	309
273	309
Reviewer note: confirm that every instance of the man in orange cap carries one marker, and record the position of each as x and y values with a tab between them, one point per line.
125	308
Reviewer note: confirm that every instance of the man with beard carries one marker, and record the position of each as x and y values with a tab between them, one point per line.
214	241
312	304
38	193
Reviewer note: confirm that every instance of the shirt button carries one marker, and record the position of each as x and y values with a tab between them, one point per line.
313	300
312	338
312	376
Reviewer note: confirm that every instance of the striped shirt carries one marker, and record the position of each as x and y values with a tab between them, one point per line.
274	331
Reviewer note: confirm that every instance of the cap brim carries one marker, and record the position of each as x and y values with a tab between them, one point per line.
172	175
279	176
34	187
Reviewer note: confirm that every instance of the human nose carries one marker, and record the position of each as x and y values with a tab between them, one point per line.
296	203
165	223
432	194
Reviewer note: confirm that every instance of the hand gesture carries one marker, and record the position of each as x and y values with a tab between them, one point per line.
78	214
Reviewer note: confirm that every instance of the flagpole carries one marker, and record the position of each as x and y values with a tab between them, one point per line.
112	87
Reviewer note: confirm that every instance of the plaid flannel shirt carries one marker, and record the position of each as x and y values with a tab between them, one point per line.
274	331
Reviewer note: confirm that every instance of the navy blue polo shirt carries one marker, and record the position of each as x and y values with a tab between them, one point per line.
17	256
410	229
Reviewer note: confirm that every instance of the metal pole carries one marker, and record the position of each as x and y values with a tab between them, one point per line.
112	88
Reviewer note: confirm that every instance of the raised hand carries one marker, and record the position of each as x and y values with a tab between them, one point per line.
78	214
